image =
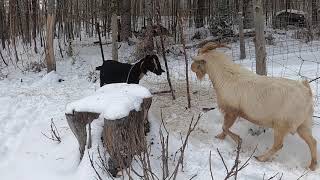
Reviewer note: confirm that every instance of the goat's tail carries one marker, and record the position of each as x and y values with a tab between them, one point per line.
211	46
306	84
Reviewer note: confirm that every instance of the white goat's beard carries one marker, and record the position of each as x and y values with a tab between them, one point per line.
200	75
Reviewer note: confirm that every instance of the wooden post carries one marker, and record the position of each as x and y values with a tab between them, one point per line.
260	42
241	33
114	27
50	60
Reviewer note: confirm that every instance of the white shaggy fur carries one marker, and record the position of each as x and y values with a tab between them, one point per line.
279	103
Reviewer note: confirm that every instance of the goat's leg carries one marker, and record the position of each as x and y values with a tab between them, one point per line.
305	133
279	134
229	119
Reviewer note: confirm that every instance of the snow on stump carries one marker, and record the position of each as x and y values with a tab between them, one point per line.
124	108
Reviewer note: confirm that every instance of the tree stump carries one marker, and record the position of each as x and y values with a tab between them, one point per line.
125	137
78	122
124	108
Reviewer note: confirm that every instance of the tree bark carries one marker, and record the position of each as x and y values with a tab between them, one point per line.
248	14
77	122
35	24
148	42
241	33
260	48
125	137
199	21
125	20
114	27
2	24
50	59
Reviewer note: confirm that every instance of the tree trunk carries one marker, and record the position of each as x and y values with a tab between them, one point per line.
125	137
2	23
241	33
248	14
35	24
114	27
199	21
260	48
125	20
148	42
50	60
77	123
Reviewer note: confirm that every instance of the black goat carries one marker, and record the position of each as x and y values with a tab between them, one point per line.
116	72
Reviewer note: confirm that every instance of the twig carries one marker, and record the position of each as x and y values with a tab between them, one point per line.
224	163
191	128
193	176
158	19
210	166
3	59
314	79
273	176
92	165
185	58
164	149
234	170
304	174
55	136
208	109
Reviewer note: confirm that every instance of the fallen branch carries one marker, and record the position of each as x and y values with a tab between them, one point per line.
208	109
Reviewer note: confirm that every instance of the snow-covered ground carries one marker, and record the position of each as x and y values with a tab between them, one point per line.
30	100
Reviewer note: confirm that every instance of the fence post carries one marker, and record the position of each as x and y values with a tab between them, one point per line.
260	42
241	33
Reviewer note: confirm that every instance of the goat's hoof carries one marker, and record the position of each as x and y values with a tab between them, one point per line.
220	136
313	166
261	158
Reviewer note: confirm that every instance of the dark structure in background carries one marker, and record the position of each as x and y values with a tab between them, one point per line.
289	17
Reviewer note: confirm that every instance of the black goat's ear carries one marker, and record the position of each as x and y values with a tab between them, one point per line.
98	68
155	57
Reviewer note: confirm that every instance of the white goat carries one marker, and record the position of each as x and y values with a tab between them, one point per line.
279	103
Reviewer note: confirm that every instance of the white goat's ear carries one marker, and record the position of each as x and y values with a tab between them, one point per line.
197	58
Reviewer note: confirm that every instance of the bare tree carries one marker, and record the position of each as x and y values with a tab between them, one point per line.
200	16
149	36
248	14
260	42
50	60
114	26
125	12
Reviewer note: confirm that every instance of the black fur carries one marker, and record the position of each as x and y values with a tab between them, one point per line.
116	72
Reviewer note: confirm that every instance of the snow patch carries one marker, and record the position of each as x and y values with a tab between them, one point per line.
112	101
50	78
